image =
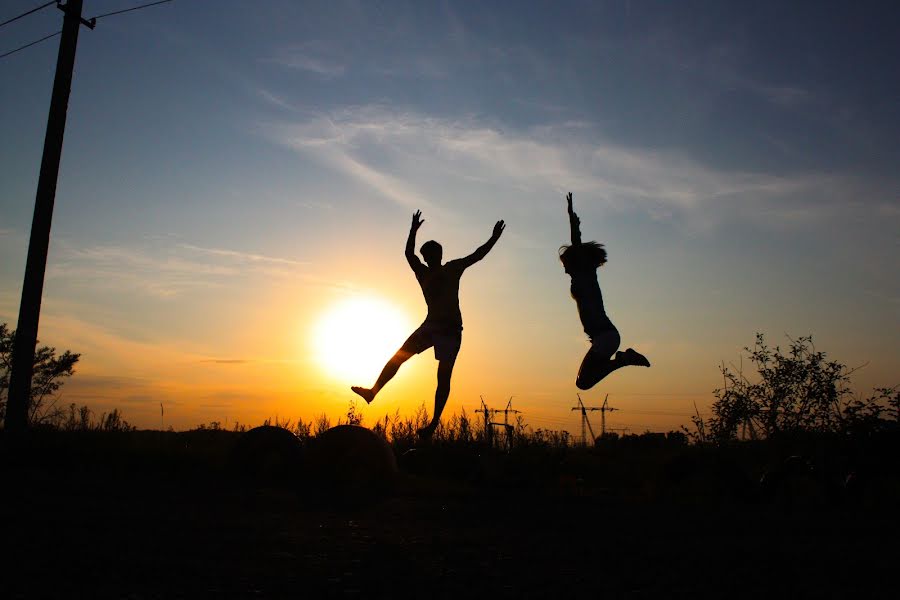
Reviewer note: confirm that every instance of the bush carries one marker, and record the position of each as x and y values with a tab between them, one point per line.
50	372
799	391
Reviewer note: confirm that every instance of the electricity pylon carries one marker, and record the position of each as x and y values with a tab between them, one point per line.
488	426
603	410
585	423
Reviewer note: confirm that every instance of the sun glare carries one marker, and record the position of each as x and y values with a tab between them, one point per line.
355	337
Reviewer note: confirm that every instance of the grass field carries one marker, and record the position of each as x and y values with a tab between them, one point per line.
148	514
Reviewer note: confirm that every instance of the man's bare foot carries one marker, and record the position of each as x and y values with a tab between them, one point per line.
367	394
633	357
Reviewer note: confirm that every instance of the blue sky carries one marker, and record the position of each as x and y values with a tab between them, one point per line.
232	169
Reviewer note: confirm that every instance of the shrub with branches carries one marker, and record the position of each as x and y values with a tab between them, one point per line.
795	391
50	372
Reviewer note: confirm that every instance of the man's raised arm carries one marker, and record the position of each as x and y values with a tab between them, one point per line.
411	257
482	250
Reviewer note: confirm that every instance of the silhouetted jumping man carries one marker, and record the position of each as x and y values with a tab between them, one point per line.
443	324
581	261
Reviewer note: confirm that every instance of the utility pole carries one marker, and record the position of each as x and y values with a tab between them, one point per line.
39	243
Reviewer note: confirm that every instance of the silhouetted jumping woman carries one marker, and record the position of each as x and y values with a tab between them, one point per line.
581	261
443	324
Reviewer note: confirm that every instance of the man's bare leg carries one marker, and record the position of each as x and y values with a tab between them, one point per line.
441	394
387	373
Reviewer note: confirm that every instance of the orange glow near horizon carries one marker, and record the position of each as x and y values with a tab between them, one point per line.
356	336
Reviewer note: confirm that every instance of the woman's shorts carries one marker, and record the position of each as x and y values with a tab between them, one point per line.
605	342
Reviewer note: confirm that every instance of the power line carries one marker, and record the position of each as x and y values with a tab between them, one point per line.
31	44
119	12
25	14
109	14
551	420
659	413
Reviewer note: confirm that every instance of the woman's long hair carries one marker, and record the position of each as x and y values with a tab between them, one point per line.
585	255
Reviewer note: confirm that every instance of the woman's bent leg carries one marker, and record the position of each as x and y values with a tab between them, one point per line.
597	364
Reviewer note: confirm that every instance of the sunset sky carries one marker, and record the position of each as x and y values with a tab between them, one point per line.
234	173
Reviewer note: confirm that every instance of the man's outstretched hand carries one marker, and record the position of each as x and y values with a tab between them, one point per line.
417	221
498	229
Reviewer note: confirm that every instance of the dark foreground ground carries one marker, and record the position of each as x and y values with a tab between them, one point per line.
131	519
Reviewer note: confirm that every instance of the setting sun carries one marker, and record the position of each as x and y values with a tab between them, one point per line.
355	337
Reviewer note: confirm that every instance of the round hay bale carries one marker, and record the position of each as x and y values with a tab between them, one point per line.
350	463
267	455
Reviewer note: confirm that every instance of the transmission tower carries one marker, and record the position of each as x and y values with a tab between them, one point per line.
488	425
585	423
603	410
507	428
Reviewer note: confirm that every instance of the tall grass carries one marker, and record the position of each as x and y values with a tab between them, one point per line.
83	419
458	429
401	430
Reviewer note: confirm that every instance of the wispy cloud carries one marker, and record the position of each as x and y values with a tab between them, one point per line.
315	65
162	270
244	256
157	273
782	95
722	66
312	57
402	155
413	66
889	209
275	99
226	361
119	348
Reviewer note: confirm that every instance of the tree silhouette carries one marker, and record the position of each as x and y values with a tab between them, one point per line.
50	372
796	391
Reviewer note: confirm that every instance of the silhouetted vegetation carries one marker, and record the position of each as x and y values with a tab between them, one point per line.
239	508
793	419
794	392
50	372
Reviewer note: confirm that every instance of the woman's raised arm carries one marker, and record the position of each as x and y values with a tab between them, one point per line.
574	221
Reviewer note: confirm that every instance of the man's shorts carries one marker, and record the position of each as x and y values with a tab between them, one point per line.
446	340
